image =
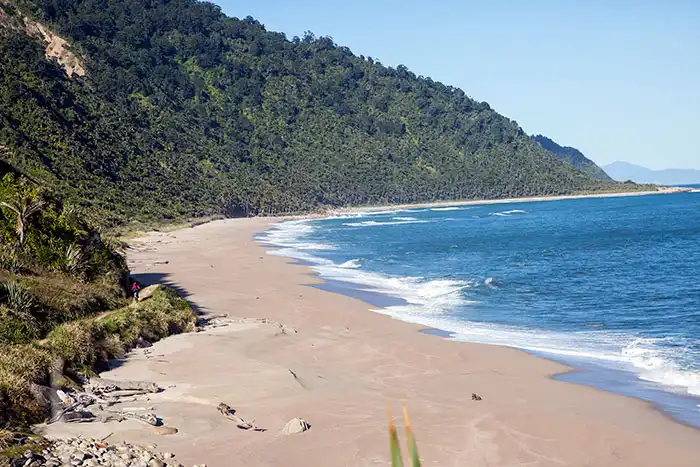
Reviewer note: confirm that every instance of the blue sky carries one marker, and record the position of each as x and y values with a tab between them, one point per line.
619	80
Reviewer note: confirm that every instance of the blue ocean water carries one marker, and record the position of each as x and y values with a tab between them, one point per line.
609	285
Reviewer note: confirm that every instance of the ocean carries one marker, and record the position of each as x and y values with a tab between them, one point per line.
609	286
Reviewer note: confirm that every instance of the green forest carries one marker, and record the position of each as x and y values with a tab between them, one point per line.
185	112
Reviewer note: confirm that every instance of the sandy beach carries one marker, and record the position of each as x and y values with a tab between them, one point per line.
289	350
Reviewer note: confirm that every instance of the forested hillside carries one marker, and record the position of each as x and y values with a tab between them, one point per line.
573	157
182	111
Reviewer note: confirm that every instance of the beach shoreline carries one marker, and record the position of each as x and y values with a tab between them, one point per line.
527	199
289	350
680	408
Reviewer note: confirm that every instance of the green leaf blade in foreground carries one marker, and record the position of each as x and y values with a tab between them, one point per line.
412	447
394	444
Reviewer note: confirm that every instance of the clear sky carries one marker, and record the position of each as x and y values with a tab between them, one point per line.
617	79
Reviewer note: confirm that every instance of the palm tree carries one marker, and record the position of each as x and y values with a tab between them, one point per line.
25	206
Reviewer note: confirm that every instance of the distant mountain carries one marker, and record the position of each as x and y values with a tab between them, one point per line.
625	171
572	156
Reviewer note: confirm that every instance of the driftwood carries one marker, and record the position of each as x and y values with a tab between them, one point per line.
296	378
127	393
91	405
105	416
148	418
78	416
81	415
230	413
101	386
212	321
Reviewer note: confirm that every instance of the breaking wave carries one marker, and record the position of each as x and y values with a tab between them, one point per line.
508	213
450	208
421	296
378	223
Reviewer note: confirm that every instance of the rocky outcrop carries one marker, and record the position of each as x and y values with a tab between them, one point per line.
296	425
56	48
147	292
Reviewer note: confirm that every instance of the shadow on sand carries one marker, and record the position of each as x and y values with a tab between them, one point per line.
151	278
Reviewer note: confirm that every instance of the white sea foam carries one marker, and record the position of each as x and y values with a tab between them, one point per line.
450	208
657	364
427	297
289	234
377	223
650	362
422	297
379	213
388	211
508	213
351	264
346	215
430	303
404	218
370	213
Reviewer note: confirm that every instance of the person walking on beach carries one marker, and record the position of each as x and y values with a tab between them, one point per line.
135	288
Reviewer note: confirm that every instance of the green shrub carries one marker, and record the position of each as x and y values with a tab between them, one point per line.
6	438
67	299
19	313
74	342
163	314
14	330
42	234
33	443
12	260
73	261
20	366
29	361
17	298
112	346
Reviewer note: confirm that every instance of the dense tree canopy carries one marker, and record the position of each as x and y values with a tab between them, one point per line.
184	112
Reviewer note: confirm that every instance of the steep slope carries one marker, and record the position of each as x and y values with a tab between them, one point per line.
625	171
183	111
573	157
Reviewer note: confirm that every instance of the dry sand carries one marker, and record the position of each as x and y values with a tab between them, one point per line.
349	364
